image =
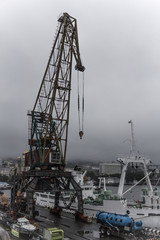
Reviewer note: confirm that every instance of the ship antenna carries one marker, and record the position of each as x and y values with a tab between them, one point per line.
132	139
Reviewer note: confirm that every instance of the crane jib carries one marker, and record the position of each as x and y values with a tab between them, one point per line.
49	119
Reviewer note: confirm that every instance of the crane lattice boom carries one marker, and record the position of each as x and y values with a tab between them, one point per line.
49	119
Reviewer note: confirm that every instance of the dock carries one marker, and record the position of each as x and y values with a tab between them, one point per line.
73	230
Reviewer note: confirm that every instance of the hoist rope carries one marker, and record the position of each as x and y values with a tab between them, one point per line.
80	105
83	104
78	100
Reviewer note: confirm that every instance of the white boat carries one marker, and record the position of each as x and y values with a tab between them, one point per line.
22	228
147	210
4	186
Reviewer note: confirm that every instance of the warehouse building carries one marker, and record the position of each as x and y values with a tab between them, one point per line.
109	168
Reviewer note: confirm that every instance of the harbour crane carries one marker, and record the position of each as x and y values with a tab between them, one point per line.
48	126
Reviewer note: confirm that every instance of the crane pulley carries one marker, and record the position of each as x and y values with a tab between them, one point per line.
49	119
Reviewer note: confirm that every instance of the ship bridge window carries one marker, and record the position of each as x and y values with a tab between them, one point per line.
116	220
121	220
51	197
44	195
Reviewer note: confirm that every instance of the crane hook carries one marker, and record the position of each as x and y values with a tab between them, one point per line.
81	134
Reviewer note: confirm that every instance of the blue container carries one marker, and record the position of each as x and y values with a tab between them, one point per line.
118	220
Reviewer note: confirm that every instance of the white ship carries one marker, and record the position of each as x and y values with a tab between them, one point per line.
147	210
46	199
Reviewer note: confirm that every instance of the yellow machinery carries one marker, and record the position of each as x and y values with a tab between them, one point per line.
53	234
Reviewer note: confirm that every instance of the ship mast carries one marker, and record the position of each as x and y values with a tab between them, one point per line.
133	158
133	152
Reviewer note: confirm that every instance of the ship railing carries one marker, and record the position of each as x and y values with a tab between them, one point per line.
133	157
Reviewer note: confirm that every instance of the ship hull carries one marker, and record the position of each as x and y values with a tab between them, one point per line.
150	216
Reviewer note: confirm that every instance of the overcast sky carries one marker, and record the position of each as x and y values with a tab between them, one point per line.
120	48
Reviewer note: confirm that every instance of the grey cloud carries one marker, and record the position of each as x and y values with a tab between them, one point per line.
119	45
